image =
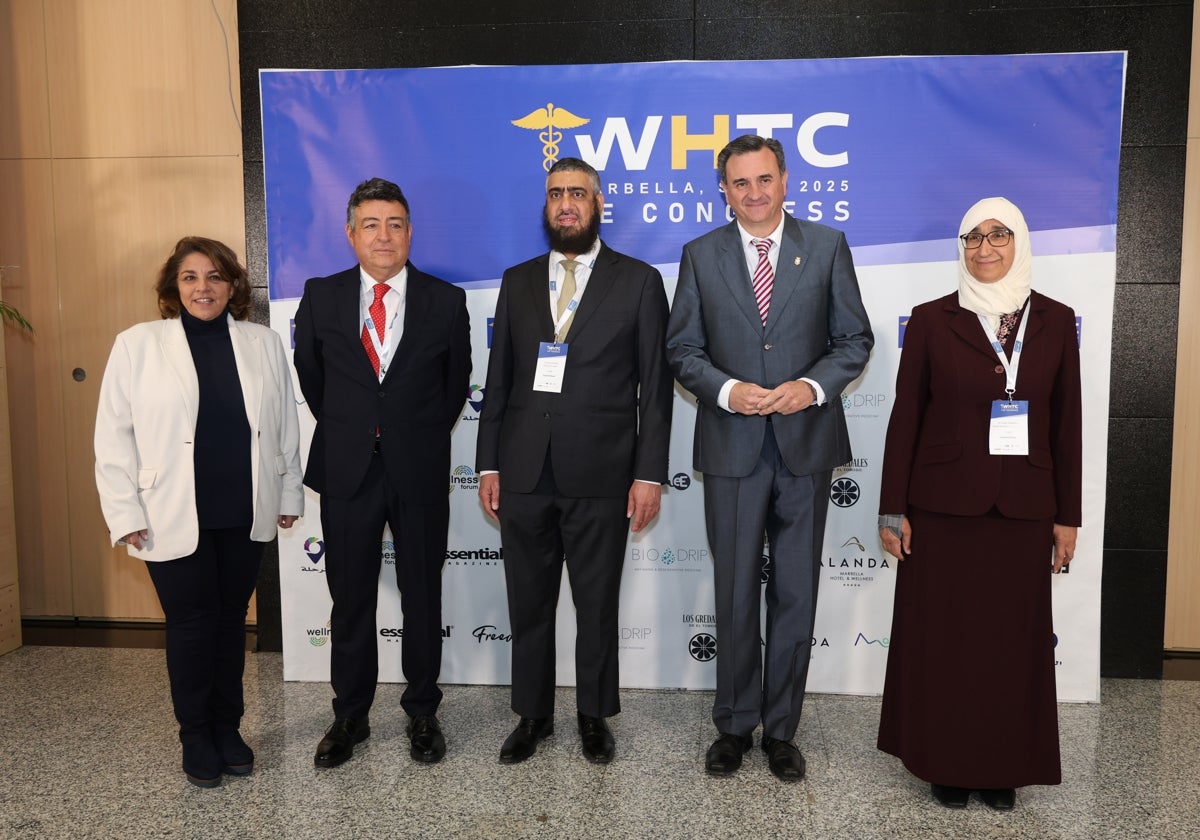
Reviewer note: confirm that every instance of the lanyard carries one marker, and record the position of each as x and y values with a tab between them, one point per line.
1010	367
387	336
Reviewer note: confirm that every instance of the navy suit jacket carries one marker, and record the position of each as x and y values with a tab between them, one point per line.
611	423
816	328
413	409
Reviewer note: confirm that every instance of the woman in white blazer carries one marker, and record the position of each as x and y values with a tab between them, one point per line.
197	464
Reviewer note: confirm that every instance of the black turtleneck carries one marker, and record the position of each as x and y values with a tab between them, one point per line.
222	445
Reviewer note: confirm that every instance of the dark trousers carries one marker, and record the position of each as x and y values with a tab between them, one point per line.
353	530
755	682
204	596
540	531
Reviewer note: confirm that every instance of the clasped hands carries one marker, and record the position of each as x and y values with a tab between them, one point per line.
790	397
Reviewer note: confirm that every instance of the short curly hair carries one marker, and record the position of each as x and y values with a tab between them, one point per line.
225	261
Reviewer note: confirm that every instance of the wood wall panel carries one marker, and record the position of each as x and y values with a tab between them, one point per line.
122	217
1182	623
10	619
132	78
24	112
35	393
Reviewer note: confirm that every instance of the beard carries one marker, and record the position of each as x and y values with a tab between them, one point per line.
573	241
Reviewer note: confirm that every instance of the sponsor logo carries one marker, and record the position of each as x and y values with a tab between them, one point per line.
388	550
634	638
766	568
671	559
474	556
703	647
882	642
314	548
865	406
844	492
474	402
319	636
490	633
463	477
698	620
903	329
853	465
395	634
851	567
491	322
681	481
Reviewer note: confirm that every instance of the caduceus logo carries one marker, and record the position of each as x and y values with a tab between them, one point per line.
546	121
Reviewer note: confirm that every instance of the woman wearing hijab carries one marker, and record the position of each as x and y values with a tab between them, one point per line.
197	464
980	502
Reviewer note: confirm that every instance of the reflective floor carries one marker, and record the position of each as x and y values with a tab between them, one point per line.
87	749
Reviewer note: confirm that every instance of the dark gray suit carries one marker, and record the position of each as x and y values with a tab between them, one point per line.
767	477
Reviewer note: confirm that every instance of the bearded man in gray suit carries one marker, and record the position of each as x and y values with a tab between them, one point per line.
766	330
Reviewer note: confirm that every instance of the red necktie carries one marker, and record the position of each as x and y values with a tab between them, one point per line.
764	277
379	318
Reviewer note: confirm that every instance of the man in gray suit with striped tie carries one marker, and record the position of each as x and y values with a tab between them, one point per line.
766	330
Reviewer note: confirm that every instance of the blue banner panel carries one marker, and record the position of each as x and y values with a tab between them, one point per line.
890	150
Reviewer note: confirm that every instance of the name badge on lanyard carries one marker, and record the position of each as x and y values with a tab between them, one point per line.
1008	431
551	366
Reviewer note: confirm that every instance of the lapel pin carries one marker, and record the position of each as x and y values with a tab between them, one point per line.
797	261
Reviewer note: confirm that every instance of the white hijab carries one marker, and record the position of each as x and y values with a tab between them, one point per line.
1009	293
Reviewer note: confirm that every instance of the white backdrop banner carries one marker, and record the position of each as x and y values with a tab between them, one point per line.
890	150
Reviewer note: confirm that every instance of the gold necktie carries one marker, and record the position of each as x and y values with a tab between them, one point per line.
565	294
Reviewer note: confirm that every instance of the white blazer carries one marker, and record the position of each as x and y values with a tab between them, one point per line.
146	423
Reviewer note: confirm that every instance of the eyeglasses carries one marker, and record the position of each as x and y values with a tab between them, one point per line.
996	238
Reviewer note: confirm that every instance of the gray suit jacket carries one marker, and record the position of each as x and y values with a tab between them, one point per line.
816	328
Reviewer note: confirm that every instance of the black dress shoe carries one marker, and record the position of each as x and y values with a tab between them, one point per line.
951	797
237	759
1002	799
523	741
201	761
724	757
597	739
338	744
428	745
785	761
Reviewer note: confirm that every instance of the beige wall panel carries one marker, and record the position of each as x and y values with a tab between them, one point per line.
132	78
10	620
35	391
24	111
8	525
1182	625
116	222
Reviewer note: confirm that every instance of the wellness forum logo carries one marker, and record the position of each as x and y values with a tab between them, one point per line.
882	642
853	566
319	636
671	559
820	140
463	477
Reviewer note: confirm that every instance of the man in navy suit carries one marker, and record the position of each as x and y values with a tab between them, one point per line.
767	328
575	426
383	355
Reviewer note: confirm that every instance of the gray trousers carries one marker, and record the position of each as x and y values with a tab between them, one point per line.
762	678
